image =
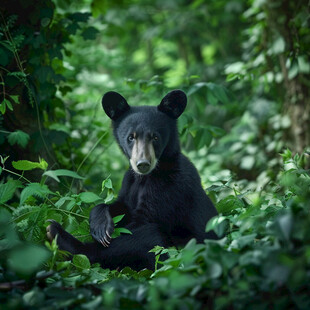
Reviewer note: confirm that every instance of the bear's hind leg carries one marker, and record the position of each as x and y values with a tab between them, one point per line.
67	242
126	250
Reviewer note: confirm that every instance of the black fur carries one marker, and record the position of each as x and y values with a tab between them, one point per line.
165	207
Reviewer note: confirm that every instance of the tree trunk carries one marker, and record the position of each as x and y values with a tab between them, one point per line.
296	86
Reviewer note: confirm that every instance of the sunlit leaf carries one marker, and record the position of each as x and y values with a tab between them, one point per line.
89	197
118	218
81	261
218	224
29	165
62	173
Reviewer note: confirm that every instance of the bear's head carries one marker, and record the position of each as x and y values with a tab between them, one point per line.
147	135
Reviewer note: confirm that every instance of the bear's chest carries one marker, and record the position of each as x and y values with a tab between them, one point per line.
142	199
139	193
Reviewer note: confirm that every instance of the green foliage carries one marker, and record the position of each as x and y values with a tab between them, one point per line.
245	69
18	137
26	259
263	251
89	197
29	165
119	230
81	262
34	189
22	258
8	189
54	174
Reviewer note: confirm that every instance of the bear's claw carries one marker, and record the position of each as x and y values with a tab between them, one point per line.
106	240
101	225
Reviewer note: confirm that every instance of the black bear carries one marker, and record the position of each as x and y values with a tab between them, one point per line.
161	195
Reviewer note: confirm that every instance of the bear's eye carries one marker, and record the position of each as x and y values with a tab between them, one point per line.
131	137
155	138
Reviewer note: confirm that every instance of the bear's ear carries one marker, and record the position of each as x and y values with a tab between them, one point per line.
173	104
114	104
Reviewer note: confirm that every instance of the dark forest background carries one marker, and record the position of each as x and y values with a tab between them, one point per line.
245	68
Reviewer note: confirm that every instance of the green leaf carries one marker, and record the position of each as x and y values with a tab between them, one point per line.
43	164
2	107
82	229
107	183
110	196
219	92
277	47
214	222
286	155
72	224
80	17
232	77
217	132
211	99
8	189
89	197
226	205
60	127
18	137
8	104
203	137
118	218
54	174
157	249
293	70
214	270
53	215
196	87
25	165
243	241
63	200
218	224
303	64
29	165
90	33
247	162
123	230
28	258
80	261
34	189
45	21
285	225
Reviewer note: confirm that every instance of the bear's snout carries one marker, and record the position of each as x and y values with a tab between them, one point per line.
142	159
143	165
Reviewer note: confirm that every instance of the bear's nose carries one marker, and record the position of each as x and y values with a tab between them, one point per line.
143	165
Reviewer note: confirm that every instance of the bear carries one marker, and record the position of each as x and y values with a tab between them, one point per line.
161	193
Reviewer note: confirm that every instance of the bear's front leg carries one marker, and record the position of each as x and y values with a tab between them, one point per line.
101	224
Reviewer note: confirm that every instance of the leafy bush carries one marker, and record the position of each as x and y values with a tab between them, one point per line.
245	68
262	259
